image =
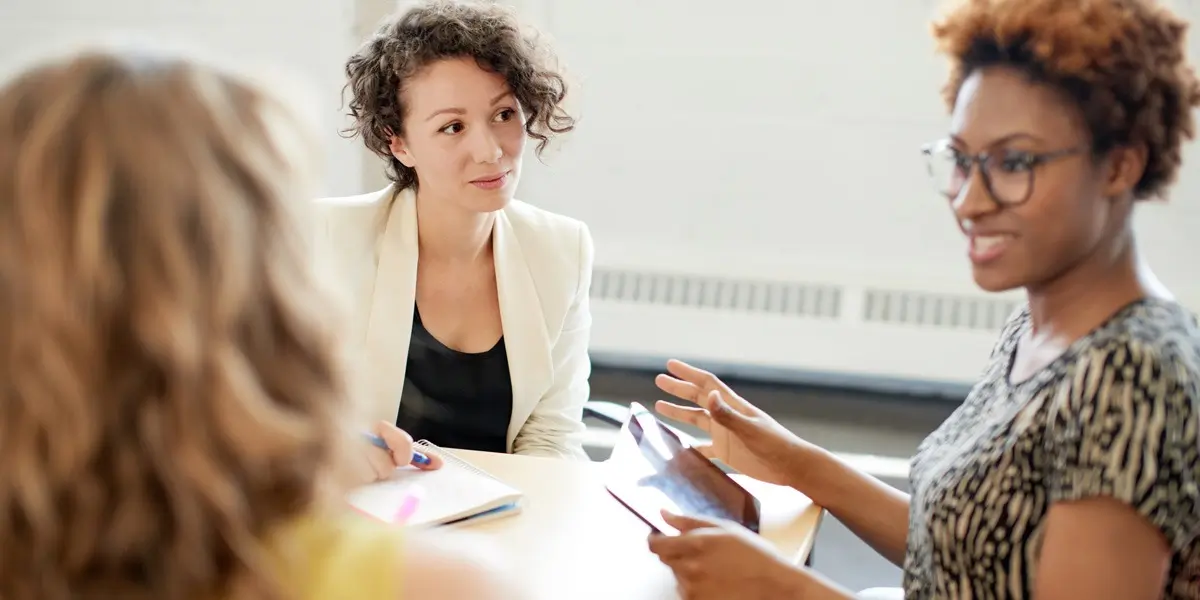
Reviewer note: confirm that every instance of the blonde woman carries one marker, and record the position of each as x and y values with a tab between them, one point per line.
172	397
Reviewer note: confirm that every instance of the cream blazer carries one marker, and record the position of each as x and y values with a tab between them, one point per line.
543	274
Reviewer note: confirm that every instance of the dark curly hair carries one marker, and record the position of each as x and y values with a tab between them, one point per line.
413	39
1122	61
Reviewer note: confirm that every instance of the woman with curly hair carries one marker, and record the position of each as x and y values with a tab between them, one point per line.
173	394
1072	470
471	307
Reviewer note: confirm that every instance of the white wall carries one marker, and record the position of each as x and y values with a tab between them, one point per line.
777	137
369	15
771	144
308	39
778	140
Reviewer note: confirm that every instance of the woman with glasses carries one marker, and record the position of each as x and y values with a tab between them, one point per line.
1072	470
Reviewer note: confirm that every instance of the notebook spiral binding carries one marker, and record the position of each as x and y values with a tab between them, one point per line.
450	458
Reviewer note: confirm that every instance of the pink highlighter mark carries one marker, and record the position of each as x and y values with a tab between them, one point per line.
408	505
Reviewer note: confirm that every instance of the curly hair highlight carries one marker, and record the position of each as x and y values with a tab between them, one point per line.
169	378
444	29
1122	61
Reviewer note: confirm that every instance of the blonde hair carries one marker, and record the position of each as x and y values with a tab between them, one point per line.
170	388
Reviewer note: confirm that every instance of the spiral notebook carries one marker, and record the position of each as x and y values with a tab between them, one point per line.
457	493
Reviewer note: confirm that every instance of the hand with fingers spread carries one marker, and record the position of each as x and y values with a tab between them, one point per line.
380	463
717	560
743	436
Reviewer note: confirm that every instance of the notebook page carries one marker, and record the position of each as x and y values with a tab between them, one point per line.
452	492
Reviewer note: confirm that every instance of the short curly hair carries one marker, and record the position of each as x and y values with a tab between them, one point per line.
444	29
1122	61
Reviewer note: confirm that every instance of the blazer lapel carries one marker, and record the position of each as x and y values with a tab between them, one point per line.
389	320
526	340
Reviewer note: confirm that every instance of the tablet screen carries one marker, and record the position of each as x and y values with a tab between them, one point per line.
652	469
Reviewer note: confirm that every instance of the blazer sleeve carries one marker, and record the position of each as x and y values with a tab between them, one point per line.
555	428
340	243
323	249
320	229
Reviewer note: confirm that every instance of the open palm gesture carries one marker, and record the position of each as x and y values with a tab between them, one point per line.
743	436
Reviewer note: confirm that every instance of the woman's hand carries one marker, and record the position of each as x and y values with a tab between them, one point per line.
400	452
718	560
743	436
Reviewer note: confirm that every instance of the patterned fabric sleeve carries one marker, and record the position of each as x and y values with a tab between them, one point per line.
1126	428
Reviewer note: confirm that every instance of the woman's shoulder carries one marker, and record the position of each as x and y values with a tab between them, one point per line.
1152	332
556	246
357	210
539	223
1125	418
1150	350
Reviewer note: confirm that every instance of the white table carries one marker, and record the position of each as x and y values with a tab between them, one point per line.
573	540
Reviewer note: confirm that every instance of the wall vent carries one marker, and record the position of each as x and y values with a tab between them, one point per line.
716	293
807	329
936	310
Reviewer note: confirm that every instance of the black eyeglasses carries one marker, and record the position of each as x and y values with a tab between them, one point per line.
1007	174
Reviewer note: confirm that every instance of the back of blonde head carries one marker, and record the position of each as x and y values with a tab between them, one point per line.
169	387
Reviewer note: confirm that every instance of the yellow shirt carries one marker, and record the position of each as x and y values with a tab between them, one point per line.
330	558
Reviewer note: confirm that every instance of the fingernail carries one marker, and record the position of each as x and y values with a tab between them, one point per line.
420	459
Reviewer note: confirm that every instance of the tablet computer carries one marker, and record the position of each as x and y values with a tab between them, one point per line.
652	469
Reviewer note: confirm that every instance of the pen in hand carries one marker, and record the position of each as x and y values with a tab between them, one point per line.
418	458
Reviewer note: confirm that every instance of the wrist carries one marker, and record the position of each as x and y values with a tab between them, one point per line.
803	462
815	473
808	585
790	581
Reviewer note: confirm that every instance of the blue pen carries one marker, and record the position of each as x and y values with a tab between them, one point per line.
417	459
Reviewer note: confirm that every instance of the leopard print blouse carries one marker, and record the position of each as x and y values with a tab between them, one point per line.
1116	415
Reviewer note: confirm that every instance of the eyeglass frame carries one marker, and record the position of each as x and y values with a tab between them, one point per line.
1031	161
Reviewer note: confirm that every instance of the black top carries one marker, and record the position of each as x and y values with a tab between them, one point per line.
455	399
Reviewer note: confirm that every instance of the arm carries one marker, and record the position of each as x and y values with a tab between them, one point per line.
556	425
875	511
1103	549
719	559
1123	482
748	439
328	258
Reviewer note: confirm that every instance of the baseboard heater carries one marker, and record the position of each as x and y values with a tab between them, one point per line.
892	340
